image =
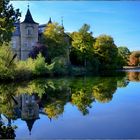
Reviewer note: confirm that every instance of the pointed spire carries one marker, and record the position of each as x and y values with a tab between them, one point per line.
50	21
50	119
28	17
30	124
62	23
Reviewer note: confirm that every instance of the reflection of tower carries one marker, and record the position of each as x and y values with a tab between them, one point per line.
29	110
30	124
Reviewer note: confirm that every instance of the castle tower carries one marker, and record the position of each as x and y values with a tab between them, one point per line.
29	35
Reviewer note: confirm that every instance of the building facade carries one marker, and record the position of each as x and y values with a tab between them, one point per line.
26	35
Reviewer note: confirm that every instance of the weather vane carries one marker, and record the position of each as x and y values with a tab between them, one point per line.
62	20
28	5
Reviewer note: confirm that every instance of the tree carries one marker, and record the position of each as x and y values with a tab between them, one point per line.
103	91
39	48
54	38
106	51
8	16
123	55
134	58
7	63
82	42
82	100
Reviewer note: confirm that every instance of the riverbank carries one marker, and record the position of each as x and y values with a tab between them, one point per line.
131	68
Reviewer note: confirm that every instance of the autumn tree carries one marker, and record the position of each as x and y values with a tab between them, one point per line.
8	16
54	38
134	58
106	51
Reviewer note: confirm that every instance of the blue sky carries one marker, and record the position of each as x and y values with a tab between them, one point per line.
120	19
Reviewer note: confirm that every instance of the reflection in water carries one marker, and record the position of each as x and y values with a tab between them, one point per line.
29	99
103	91
7	132
134	76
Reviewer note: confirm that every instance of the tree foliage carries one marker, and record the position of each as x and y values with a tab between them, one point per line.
123	55
39	48
103	91
134	59
7	64
106	52
8	16
82	42
54	38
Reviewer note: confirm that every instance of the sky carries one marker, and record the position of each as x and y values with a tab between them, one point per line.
119	19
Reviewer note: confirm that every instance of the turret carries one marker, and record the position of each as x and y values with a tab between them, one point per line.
29	34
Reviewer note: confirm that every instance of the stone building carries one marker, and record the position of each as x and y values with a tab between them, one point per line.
26	35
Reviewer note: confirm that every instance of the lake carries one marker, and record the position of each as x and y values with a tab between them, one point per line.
76	107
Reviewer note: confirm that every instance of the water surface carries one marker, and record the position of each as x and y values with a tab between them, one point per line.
86	107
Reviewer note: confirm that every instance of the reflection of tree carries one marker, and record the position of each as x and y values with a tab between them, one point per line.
53	110
7	132
55	100
104	90
53	94
133	76
122	82
82	100
7	93
81	93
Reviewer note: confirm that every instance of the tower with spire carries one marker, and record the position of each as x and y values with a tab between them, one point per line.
29	34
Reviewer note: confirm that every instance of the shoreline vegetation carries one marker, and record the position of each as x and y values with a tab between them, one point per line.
59	53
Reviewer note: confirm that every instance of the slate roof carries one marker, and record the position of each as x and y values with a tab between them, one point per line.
28	18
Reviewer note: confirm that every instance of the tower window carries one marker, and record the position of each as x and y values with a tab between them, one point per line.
29	31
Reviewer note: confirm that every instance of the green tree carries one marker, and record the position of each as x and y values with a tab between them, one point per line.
7	64
106	51
54	38
123	55
82	100
82	42
105	88
8	16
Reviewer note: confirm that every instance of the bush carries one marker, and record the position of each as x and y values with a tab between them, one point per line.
34	67
60	66
24	69
7	66
40	65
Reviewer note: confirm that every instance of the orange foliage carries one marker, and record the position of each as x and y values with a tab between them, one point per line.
134	58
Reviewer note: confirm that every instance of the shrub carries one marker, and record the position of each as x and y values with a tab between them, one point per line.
40	67
60	66
24	69
7	64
